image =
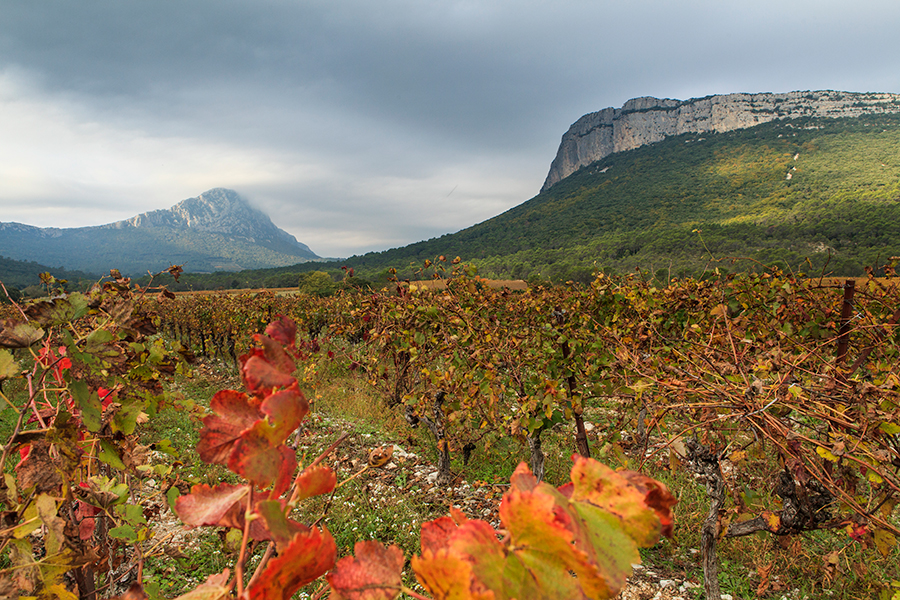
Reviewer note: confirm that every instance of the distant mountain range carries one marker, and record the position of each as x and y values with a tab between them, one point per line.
218	230
808	181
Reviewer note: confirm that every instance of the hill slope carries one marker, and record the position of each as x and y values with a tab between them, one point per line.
217	230
822	189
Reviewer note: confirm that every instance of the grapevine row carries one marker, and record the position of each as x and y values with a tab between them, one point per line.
739	370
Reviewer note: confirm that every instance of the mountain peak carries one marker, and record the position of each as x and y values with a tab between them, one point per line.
219	210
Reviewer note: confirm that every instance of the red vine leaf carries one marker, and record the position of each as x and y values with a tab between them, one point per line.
254	458
84	516
261	378
314	481
435	535
372	574
283	330
222	505
309	555
275	354
234	413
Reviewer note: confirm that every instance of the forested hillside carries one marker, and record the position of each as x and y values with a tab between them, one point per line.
825	191
19	276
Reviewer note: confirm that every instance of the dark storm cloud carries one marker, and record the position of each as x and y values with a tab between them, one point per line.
362	125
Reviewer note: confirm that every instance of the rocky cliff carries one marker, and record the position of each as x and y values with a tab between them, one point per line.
647	120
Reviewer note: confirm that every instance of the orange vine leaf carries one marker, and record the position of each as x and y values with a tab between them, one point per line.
590	528
214	588
314	481
309	555
222	505
285	411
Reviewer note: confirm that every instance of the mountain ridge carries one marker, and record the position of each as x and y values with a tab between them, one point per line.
646	120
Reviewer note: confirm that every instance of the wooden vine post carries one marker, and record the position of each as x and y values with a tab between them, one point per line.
843	340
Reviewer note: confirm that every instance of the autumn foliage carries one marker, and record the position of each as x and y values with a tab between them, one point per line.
591	527
780	382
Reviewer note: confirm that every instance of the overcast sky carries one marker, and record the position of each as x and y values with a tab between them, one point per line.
363	125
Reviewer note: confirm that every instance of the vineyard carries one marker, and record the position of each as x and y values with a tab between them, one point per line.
779	395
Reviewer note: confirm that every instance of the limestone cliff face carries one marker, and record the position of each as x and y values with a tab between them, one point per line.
647	120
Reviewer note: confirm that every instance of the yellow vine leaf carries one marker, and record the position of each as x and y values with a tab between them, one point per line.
885	541
826	454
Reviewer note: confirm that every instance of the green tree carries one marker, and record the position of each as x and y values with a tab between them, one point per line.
317	283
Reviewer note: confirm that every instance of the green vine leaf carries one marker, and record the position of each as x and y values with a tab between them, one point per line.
89	404
110	455
58	311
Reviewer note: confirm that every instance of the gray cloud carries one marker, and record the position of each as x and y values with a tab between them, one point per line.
364	125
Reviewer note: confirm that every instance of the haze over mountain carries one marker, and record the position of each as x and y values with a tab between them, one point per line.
217	230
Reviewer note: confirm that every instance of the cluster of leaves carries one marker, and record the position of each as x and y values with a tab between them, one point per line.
756	369
590	527
80	373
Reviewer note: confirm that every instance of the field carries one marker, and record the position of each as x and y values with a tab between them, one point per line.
771	414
